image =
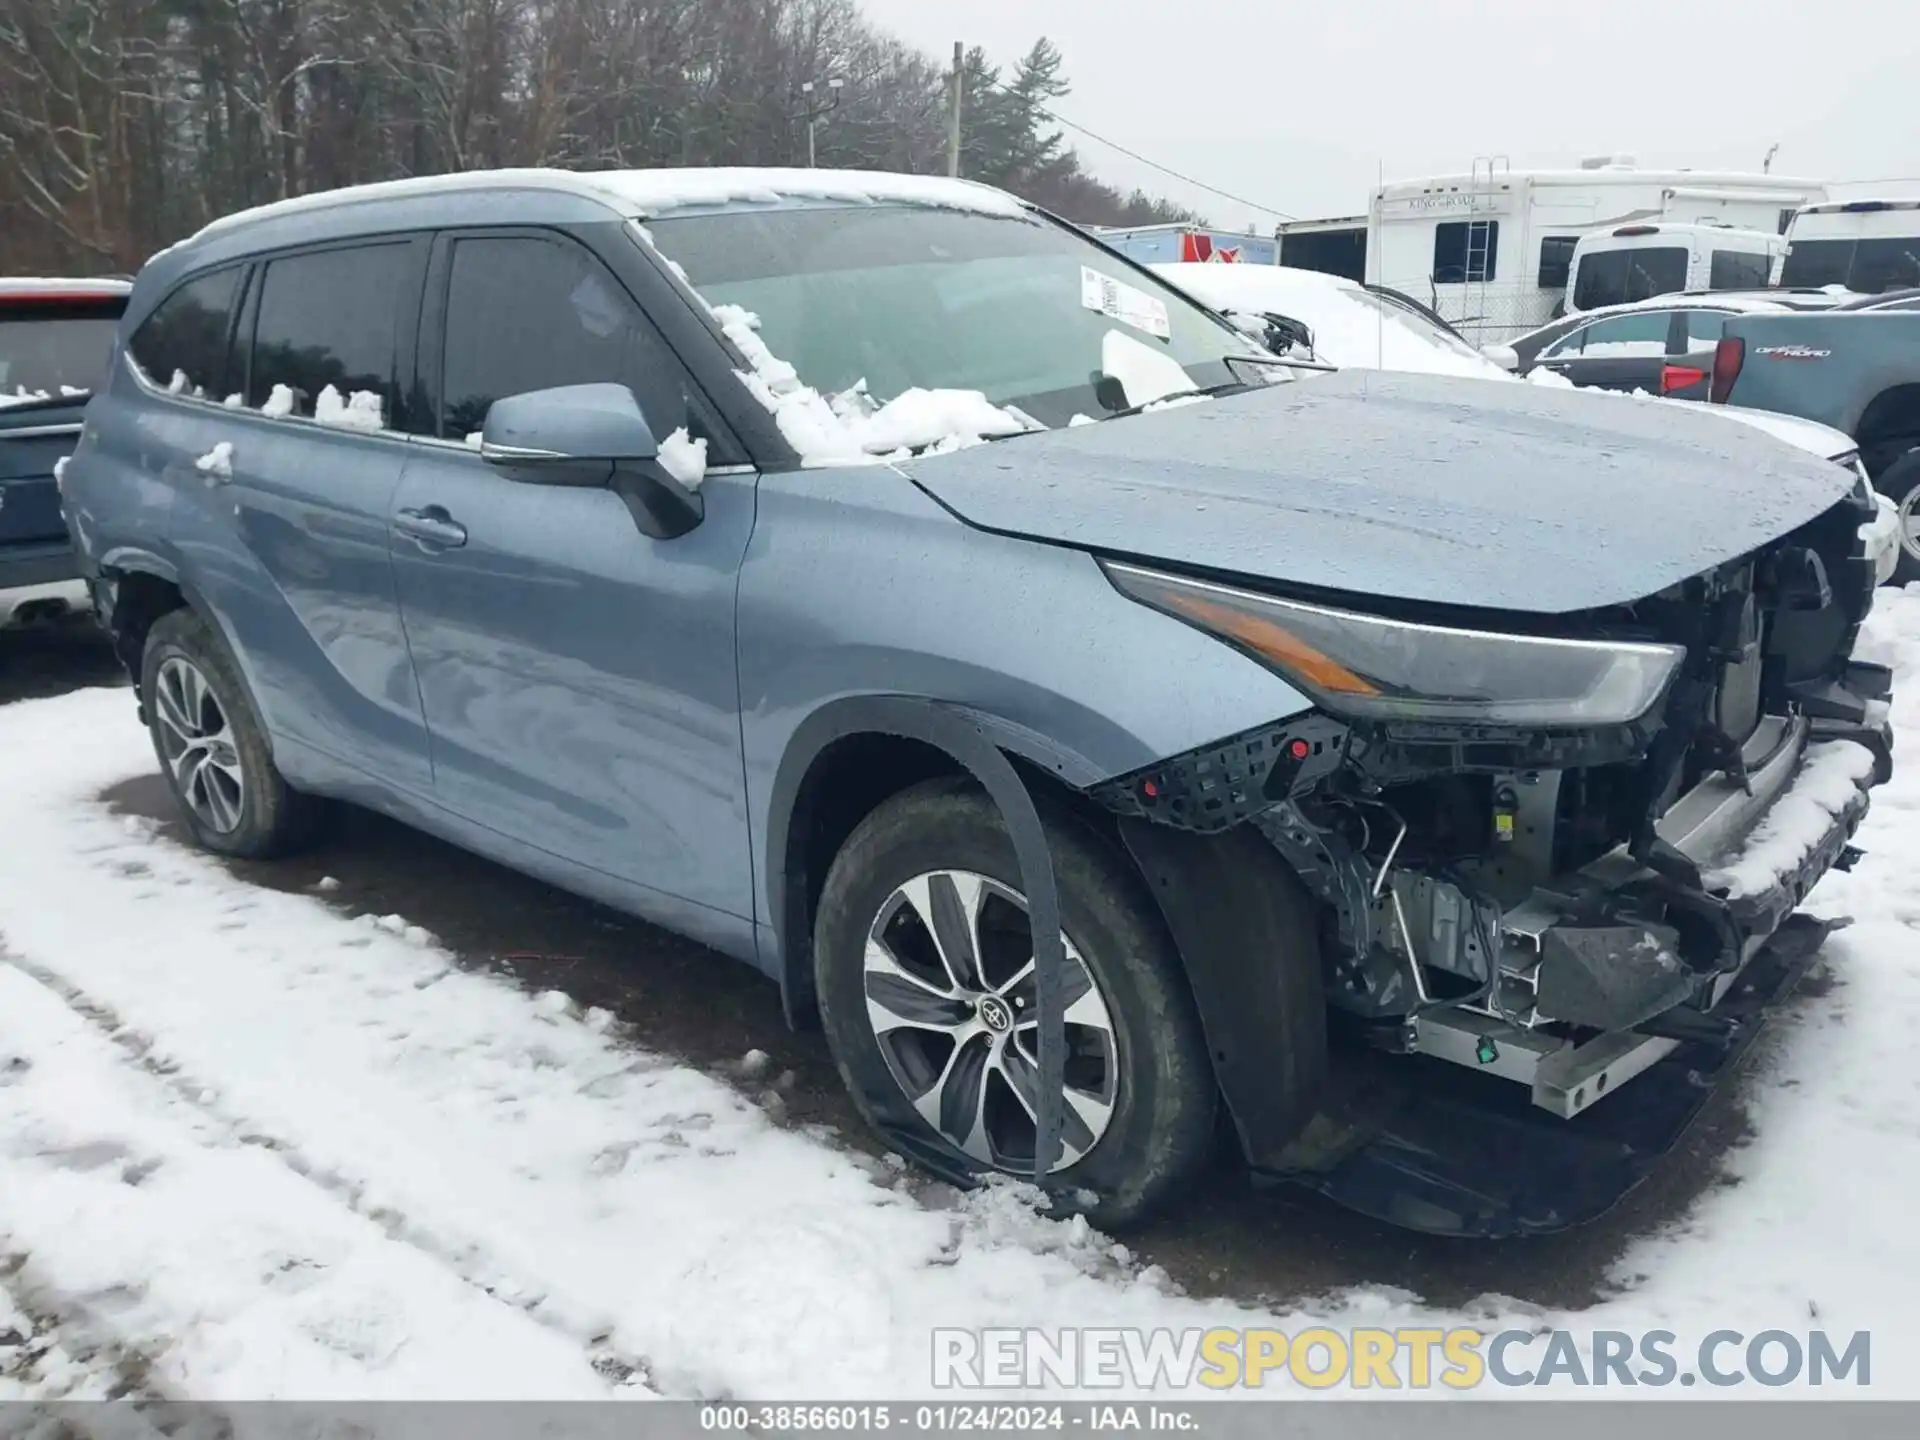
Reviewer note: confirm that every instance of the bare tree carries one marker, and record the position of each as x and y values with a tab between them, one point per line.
125	124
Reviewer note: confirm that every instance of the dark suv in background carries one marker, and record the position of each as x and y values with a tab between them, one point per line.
55	339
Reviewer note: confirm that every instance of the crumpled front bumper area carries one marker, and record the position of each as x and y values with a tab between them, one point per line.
1439	1148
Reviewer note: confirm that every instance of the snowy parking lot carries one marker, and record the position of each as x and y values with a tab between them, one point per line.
255	1144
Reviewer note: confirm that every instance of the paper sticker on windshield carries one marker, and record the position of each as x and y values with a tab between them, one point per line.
1124	303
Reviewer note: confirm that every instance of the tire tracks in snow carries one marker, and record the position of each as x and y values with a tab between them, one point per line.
619	1369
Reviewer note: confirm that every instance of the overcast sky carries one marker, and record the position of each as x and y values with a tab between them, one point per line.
1301	106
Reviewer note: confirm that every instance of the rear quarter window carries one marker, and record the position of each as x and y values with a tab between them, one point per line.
182	346
1704	328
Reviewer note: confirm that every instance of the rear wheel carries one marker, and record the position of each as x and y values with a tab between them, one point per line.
212	747
923	956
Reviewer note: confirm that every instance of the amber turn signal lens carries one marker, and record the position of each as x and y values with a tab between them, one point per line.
1275	642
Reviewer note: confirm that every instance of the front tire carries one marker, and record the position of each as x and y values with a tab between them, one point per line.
212	748
1900	483
922	962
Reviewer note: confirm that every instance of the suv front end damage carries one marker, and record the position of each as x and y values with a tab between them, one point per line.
1551	864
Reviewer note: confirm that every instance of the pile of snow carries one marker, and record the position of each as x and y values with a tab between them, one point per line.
22	396
261	1149
217	463
636	193
684	458
848	428
655	192
1829	780
359	411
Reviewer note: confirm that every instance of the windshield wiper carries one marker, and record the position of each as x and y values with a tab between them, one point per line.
1198	392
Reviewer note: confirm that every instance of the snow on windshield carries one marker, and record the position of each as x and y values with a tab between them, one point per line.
876	331
849	428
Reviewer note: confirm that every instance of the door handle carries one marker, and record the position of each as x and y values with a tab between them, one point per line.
432	527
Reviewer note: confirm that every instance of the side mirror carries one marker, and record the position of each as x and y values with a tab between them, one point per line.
590	435
571	423
1505	356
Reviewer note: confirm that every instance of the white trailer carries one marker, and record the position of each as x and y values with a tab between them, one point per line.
1490	250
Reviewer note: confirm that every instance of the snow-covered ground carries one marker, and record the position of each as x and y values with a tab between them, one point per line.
251	1148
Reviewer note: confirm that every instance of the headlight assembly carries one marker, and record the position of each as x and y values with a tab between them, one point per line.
1368	667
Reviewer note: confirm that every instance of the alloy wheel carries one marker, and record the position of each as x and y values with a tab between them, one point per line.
1910	523
952	999
198	746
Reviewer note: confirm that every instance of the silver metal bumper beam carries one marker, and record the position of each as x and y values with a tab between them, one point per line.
1706	824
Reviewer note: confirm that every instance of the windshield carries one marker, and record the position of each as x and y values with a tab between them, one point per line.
51	358
1026	312
1619	277
1865	266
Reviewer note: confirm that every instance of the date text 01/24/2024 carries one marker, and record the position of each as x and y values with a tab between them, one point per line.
927	1419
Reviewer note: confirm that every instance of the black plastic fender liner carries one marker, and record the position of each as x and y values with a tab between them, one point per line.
967	739
1247	933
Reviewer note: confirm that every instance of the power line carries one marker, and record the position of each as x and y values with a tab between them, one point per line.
1060	119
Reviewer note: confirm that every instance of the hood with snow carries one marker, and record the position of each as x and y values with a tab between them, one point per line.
1405	487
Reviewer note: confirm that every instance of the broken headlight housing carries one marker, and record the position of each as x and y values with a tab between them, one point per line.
1369	667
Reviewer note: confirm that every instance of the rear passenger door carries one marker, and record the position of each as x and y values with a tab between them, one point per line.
1618	352
578	677
284	517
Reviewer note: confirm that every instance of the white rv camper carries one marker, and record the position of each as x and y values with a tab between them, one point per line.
1490	250
1866	245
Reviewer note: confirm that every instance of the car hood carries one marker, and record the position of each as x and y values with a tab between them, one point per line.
1810	435
1406	487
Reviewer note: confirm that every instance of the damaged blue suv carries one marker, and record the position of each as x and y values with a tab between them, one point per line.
1097	723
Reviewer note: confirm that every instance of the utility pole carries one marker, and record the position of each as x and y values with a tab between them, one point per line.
1766	165
953	111
815	112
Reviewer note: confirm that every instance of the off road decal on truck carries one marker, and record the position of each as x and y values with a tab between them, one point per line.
1793	352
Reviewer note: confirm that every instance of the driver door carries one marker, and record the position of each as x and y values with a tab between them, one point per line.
577	677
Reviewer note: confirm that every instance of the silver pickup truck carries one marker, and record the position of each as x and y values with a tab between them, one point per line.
1856	370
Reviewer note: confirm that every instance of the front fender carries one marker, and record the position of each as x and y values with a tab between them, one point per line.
858	591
